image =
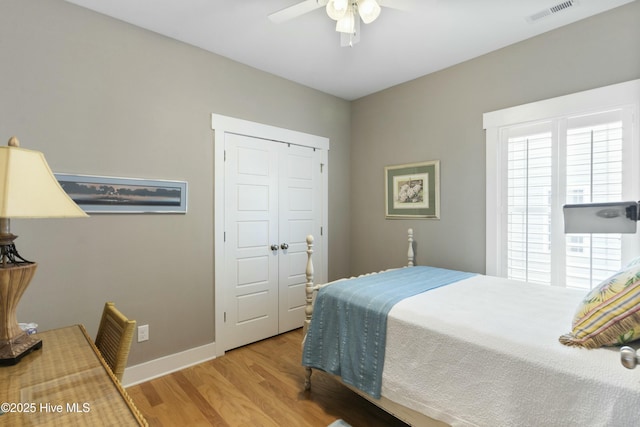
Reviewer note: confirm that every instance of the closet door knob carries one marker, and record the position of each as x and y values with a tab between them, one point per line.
274	247
284	246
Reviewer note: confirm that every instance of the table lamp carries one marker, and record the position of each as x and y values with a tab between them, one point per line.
28	189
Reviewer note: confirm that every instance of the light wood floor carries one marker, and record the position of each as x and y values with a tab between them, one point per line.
257	385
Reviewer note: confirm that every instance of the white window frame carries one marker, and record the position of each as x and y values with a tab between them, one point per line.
623	95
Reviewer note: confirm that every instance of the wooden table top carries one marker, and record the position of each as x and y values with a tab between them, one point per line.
65	383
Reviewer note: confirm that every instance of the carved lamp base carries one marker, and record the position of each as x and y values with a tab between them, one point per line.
14	342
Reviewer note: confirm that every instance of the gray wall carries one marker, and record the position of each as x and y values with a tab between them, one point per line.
102	97
439	117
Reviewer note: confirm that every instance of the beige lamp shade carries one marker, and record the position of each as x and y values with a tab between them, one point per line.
28	188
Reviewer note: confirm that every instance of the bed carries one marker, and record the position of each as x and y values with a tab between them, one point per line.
477	351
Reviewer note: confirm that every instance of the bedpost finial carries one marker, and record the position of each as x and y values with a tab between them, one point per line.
310	239
13	142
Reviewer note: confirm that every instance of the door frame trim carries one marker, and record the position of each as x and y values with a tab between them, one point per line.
222	125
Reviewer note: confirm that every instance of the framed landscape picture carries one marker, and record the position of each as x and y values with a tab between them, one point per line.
101	194
412	190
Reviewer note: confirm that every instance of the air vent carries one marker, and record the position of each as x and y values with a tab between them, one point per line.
553	9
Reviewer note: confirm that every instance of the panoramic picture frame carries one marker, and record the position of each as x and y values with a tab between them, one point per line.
413	190
103	194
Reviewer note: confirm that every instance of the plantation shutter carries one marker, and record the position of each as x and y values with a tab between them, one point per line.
594	174
529	187
567	160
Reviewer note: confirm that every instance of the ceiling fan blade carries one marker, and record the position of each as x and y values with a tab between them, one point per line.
396	4
296	10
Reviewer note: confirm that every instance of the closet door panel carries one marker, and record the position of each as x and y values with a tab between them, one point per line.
299	199
251	224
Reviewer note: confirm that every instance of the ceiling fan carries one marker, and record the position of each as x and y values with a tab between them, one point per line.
346	13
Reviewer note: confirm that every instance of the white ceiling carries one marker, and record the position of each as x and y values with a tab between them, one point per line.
399	46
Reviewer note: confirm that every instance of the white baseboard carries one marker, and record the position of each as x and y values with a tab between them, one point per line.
165	365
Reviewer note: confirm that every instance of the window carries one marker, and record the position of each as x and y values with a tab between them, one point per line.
594	171
576	149
588	153
529	187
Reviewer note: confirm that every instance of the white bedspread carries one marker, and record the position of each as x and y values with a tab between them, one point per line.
490	356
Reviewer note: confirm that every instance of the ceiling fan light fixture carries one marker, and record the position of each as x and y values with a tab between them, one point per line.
369	10
337	9
347	23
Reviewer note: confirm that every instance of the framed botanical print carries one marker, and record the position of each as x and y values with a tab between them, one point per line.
413	190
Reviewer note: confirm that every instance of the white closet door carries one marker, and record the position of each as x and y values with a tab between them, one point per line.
251	227
300	214
270	189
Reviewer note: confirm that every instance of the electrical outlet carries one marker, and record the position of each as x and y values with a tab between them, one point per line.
143	333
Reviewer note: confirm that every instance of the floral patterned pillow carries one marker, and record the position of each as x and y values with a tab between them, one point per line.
610	313
631	263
